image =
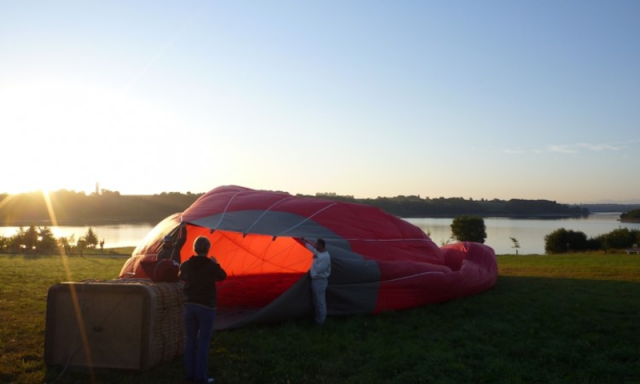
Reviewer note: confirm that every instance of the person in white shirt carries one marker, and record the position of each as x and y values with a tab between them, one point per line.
320	272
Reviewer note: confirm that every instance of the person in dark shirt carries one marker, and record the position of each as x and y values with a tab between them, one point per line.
200	274
167	249
171	250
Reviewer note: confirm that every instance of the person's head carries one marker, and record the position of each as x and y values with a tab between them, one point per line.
166	242
201	246
320	244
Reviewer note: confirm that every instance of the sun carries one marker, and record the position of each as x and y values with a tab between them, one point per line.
63	135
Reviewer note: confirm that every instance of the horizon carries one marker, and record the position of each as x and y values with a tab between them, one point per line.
536	101
319	194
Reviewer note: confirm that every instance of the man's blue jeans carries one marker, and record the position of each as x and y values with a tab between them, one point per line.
318	290
198	324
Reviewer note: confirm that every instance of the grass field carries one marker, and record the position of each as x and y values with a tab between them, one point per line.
549	319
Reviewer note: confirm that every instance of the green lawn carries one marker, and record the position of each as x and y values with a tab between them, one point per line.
549	319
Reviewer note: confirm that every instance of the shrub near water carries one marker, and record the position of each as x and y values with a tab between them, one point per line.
565	240
549	319
620	238
469	228
562	241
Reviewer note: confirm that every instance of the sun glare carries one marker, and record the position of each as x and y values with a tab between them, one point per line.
52	215
68	136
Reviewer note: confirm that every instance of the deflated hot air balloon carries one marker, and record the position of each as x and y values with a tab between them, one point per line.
379	262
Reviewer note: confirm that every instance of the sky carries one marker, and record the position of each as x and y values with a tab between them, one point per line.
472	99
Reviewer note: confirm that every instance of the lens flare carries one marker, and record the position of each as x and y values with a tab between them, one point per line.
74	295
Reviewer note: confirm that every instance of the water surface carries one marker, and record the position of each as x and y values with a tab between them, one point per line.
530	233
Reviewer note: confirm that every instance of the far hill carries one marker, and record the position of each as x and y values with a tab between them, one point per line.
415	206
610	207
77	207
632	216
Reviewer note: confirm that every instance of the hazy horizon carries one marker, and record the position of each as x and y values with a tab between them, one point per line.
492	99
613	202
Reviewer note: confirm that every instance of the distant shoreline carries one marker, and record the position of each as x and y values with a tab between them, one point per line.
76	222
79	222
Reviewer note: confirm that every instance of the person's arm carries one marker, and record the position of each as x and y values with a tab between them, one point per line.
218	274
312	249
182	274
309	246
182	236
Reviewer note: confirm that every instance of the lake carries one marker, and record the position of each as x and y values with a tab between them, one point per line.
530	233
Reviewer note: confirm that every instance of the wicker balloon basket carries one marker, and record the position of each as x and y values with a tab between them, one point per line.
131	324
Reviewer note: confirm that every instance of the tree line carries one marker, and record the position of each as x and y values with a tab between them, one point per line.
566	240
78	207
632	216
416	206
71	206
40	240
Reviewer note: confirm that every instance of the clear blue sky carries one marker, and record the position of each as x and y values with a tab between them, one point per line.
473	99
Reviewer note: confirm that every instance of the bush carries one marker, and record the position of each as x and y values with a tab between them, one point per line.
31	240
594	244
90	238
46	241
563	240
469	228
620	238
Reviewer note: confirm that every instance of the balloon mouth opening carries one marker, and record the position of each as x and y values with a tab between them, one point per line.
260	268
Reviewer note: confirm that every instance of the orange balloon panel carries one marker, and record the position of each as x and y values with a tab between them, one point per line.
251	254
